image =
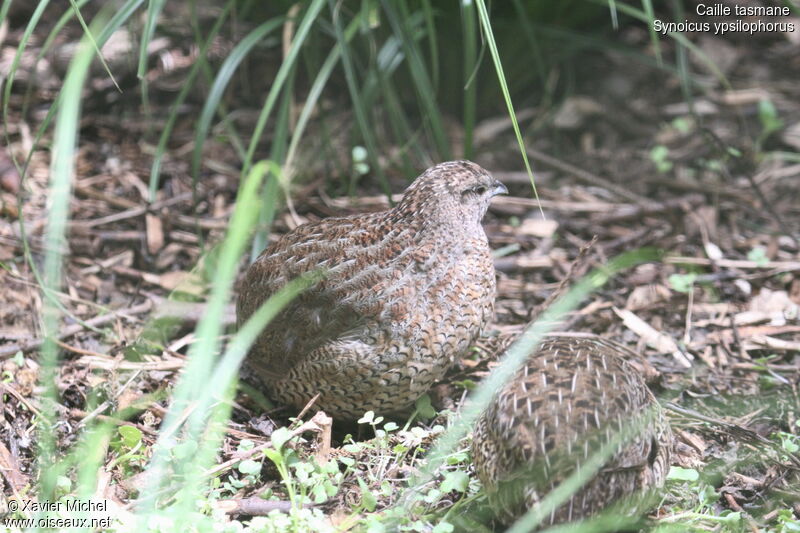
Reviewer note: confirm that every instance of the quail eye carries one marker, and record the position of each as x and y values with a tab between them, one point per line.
477	190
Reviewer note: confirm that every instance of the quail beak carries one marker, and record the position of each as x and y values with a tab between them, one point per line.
498	188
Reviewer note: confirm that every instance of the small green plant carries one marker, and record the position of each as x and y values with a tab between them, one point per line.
659	155
683	125
423	407
758	255
360	160
130	453
790	442
787	521
676	473
304	481
768	116
682	282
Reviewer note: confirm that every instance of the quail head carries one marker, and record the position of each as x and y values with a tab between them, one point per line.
403	293
572	397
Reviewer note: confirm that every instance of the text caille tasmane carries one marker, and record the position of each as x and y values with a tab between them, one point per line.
721	10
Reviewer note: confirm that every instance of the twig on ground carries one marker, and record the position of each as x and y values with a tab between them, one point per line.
256	506
24	347
588	177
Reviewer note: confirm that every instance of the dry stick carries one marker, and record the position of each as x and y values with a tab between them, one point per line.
255	506
641	237
587	177
765	203
188	312
63	295
110	364
239	457
684	186
635	212
310	403
736	507
687	332
80	351
774	343
324	423
784	266
116	201
8	388
131	213
740	433
737	338
106	404
10	351
333	206
564	284
83	415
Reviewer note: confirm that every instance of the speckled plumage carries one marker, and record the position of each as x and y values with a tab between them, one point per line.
405	292
572	395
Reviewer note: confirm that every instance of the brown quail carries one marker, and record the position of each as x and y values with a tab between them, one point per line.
572	396
404	293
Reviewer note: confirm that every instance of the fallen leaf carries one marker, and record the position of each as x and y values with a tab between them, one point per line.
10	468
654	338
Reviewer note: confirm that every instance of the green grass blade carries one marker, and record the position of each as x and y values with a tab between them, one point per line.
271	189
190	390
315	92
89	35
682	62
4	10
224	76
48	43
470	46
411	140
89	456
647	6
210	428
154	8
486	25
119	18
62	171
280	143
379	81
612	8
288	63
534	43
422	82
62	21
681	39
123	13
23	43
188	85
433	44
531	520
208	74
358	102
113	24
